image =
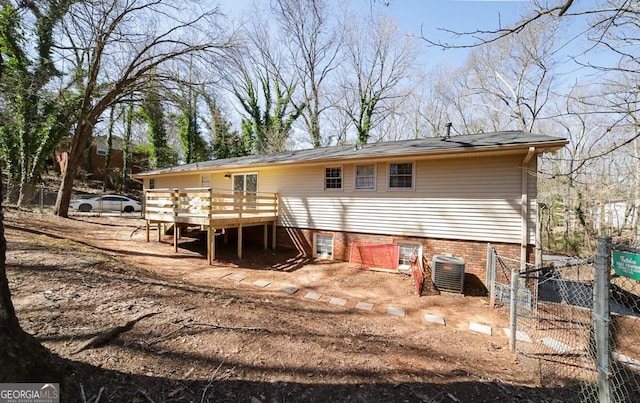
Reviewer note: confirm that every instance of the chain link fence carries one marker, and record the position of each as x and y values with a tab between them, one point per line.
43	198
574	323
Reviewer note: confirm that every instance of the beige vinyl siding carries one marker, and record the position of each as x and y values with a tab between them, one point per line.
177	182
476	198
192	180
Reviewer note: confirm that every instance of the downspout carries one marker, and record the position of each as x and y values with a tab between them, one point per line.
525	208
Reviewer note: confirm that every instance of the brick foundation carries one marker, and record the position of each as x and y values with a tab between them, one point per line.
474	253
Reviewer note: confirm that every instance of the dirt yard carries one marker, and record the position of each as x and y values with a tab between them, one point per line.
215	338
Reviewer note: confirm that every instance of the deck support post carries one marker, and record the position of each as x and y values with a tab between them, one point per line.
160	226
240	241
176	236
176	230
266	236
273	236
211	245
147	230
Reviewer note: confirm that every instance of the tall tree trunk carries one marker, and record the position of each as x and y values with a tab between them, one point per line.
76	151
126	147
107	160
23	358
27	191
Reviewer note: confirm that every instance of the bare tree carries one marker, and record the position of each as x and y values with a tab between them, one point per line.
509	83
378	62
444	101
119	44
313	46
609	27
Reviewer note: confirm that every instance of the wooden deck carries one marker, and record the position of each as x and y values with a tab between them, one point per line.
211	210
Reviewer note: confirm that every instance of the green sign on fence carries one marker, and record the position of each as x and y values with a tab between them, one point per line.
627	264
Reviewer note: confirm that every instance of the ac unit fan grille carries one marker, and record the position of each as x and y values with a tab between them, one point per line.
448	274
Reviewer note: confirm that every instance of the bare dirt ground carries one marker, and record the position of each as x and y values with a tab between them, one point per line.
213	338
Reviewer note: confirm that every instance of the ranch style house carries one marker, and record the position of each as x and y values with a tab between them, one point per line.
437	196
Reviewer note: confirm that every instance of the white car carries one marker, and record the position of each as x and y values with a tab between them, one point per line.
106	203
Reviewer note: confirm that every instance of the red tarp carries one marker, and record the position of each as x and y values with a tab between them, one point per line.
374	256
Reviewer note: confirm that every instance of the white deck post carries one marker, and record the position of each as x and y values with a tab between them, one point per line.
176	231
273	229
211	244
211	233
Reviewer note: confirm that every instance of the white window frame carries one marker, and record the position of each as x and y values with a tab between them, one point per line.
413	176
244	185
102	150
355	177
245	174
411	244
324	176
315	246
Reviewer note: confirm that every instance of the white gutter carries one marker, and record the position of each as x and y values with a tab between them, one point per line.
525	207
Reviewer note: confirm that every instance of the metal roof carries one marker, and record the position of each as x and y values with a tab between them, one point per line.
423	146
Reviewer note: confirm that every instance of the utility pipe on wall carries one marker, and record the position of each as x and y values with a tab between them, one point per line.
525	207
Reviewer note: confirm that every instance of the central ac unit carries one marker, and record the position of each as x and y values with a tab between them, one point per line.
447	273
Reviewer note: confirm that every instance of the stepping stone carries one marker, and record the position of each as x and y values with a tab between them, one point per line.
626	360
261	283
338	301
365	306
434	319
313	295
396	311
520	335
556	345
480	328
236	277
289	289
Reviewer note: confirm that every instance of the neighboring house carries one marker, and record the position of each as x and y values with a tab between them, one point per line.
94	164
616	215
446	195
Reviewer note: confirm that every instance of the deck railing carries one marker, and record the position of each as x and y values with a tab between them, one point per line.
207	204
